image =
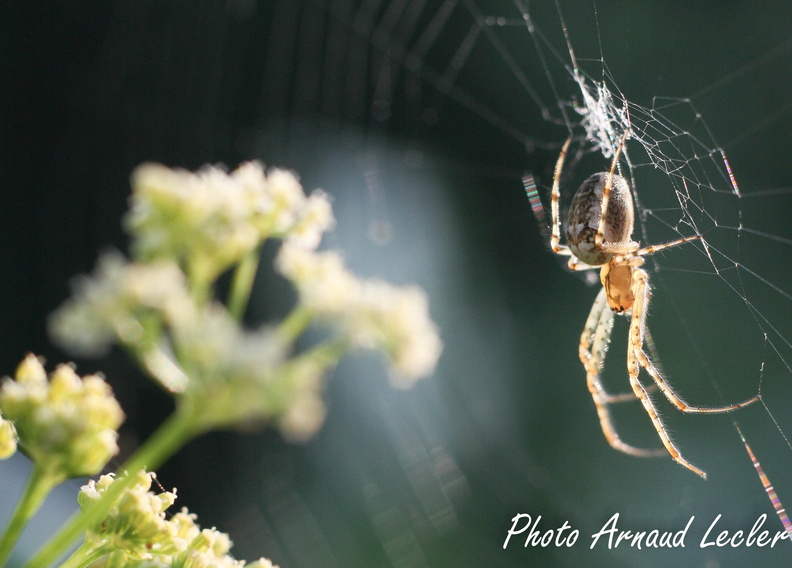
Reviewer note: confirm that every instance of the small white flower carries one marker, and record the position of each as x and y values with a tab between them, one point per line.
415	345
303	417
315	218
397	321
261	563
287	198
8	439
323	282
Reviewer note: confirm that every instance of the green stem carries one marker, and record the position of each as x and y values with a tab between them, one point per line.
85	555
39	485
161	368
294	324
242	284
326	354
199	277
176	431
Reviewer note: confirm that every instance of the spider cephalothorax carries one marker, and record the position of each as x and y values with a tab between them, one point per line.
599	231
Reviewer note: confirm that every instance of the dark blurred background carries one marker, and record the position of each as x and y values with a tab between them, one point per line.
424	160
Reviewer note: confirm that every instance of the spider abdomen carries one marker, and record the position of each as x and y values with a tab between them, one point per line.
584	217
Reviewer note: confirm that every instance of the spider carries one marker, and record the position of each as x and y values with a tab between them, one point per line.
598	235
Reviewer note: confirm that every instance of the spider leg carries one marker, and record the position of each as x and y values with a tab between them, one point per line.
653	355
555	237
635	359
576	265
654	248
593	347
599	237
646	362
675	399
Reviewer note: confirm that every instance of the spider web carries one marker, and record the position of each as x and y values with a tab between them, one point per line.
537	73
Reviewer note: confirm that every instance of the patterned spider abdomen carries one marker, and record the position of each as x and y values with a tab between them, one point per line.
584	217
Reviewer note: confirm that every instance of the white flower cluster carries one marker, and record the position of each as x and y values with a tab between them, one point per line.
136	523
117	303
187	229
135	532
231	374
211	219
371	314
67	425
